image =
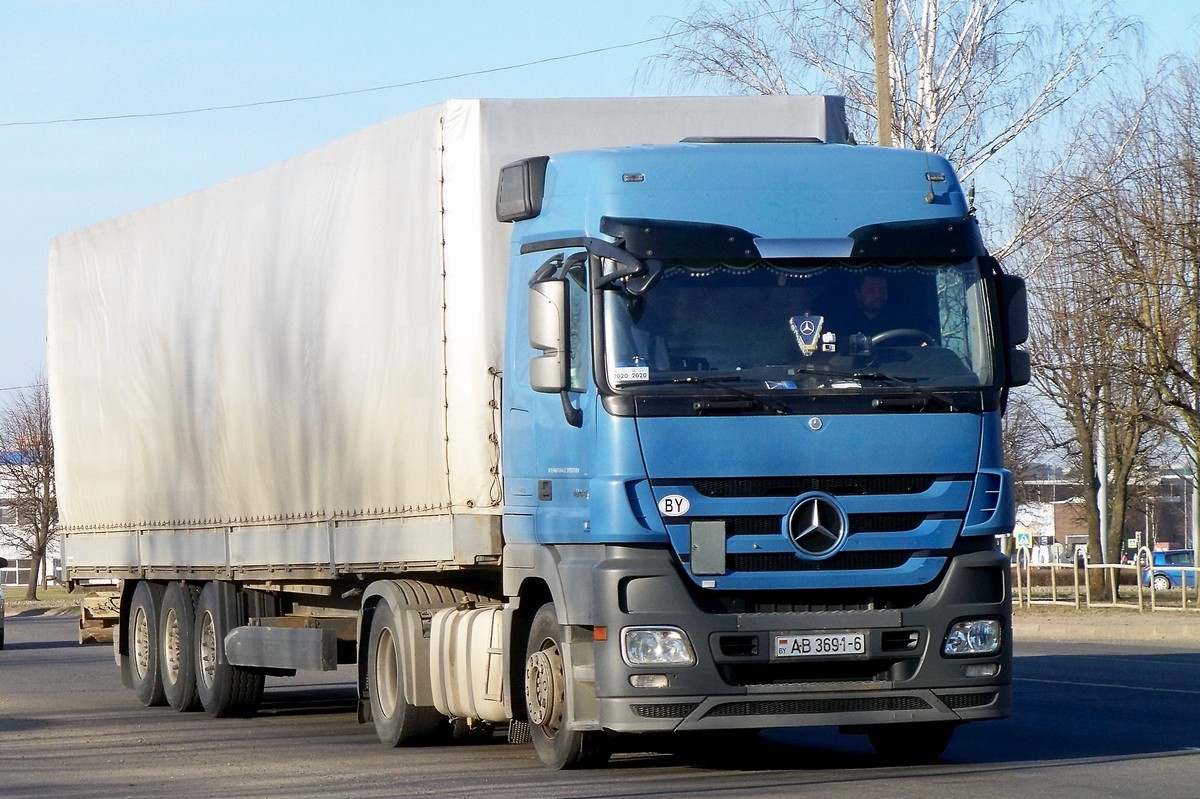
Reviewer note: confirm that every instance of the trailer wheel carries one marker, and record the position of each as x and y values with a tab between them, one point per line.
224	689
546	689
144	611
176	635
397	721
918	742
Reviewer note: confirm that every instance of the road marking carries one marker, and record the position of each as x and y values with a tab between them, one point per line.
1114	686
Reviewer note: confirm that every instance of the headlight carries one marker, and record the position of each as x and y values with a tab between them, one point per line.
973	637
656	646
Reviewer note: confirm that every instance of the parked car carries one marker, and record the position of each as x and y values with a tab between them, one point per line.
1170	569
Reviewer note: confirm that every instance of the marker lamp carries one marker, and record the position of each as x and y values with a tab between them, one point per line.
981	669
649	680
656	646
973	637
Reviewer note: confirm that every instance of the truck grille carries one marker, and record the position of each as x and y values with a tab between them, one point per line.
861	485
788	562
901	524
859	523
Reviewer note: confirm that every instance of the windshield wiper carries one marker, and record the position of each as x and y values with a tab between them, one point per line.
745	401
917	403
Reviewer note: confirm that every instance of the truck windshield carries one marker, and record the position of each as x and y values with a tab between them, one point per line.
804	326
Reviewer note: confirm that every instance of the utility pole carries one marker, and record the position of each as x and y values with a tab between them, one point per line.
883	86
1194	538
1102	476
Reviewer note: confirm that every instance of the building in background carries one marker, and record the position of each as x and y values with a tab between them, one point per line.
17	571
1053	514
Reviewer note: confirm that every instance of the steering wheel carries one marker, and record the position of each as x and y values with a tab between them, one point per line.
903	332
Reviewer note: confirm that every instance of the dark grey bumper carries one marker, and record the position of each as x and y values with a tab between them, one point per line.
735	683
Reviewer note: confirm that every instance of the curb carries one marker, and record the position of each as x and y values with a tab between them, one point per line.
1151	630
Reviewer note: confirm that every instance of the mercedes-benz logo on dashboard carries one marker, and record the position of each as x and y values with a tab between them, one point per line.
817	526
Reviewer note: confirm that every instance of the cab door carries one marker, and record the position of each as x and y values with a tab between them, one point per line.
551	475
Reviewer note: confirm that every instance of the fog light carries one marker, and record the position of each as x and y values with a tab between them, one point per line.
973	637
649	680
981	670
656	646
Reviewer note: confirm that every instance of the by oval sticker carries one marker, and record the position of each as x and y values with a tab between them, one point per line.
674	505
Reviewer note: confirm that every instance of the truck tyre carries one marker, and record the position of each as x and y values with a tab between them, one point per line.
144	611
224	689
176	635
397	722
546	690
919	742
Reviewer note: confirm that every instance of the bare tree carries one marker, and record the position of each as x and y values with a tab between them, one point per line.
967	76
1025	441
27	477
1129	199
1087	358
1151	219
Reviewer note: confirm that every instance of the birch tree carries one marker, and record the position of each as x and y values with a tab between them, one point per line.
967	76
27	477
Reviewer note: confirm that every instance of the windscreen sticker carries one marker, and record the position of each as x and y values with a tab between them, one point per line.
777	385
630	374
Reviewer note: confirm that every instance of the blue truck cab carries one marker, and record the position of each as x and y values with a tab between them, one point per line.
752	407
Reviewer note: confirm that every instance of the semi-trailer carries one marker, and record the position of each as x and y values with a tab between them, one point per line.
592	417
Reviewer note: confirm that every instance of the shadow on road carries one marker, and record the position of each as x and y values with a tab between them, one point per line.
1065	708
1105	703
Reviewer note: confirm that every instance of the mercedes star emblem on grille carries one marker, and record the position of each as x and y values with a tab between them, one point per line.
817	526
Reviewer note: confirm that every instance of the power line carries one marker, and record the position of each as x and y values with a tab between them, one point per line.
423	81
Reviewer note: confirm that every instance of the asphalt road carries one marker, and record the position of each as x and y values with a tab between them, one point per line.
1091	720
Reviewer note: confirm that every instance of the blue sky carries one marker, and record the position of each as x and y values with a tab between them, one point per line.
88	58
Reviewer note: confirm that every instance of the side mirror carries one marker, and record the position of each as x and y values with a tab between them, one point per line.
549	372
1014	305
3	563
1019	371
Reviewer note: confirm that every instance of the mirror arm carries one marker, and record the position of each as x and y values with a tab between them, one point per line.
604	249
574	415
547	269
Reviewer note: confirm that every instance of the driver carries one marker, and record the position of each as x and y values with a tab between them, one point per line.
871	314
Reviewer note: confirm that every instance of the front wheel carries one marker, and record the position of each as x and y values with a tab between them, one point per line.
1161	582
920	742
546	689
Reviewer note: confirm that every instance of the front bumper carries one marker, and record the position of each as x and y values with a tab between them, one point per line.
902	676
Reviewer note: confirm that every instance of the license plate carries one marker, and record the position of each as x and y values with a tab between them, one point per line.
821	645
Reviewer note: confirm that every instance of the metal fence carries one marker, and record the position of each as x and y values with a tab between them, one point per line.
1101	585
